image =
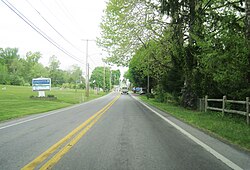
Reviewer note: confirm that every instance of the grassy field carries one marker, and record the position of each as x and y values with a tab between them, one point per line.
15	101
232	129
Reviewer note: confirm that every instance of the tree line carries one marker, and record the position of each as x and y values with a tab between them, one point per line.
105	78
17	70
186	48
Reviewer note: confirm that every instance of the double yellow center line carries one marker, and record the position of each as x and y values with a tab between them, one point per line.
72	138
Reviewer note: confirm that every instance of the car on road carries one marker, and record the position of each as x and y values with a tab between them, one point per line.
124	90
143	91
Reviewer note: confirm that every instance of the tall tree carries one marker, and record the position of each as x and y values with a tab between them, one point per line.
55	73
100	77
75	76
115	77
247	9
3	74
9	55
32	67
127	24
10	60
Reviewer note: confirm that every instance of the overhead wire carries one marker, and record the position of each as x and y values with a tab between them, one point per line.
70	17
63	9
58	19
91	60
54	28
38	30
66	12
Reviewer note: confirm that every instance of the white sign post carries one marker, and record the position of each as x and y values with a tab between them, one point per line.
41	85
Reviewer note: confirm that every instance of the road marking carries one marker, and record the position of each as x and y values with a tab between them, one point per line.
66	148
49	114
28	120
196	140
83	128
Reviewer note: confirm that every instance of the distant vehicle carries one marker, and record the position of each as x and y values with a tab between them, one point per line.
136	89
143	91
124	90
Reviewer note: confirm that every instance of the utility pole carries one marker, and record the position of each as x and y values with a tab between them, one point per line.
148	81
110	80
87	70
87	67
104	84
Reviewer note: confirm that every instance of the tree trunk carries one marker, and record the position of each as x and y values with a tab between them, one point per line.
248	35
248	19
188	94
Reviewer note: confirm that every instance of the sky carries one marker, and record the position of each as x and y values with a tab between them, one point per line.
67	23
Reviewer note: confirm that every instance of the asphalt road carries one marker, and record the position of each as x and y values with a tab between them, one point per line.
122	134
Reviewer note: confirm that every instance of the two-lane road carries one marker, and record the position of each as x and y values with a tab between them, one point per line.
113	132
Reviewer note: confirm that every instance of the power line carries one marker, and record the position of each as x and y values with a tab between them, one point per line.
68	14
39	31
91	59
53	27
58	19
63	9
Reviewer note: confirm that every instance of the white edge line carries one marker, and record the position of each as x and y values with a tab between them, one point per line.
196	140
49	114
28	120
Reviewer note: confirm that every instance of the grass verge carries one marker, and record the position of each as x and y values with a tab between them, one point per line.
15	101
230	128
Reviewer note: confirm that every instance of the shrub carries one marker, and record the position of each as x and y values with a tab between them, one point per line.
26	84
51	95
150	95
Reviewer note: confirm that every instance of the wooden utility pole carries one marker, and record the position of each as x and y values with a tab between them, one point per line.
87	68
104	84
87	71
110	80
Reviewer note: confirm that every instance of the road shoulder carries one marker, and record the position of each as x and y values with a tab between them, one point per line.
237	156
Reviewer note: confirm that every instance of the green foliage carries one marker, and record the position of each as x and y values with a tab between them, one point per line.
189	48
97	78
3	74
104	77
125	26
20	71
115	77
150	95
138	69
51	95
163	96
54	72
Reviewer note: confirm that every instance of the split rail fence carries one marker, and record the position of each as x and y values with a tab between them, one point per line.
225	110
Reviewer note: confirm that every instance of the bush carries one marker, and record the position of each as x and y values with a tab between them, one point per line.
168	98
51	95
150	95
66	85
159	95
16	80
26	84
82	86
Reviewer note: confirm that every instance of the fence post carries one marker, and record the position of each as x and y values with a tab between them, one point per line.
206	104
223	105
247	109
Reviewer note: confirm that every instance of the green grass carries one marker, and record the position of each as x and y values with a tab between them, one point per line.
15	101
232	129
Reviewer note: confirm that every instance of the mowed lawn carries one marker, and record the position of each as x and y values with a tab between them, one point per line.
15	101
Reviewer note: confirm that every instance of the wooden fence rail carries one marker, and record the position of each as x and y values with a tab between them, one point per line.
224	110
